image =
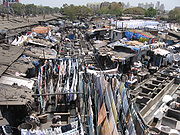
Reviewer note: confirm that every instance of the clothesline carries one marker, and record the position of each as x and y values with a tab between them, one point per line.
112	110
58	78
62	93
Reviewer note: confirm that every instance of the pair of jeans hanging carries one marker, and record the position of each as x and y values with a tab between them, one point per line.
71	96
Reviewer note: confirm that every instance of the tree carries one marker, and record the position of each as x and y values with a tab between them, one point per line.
40	10
113	8
30	9
151	12
115	5
48	10
135	11
103	10
70	11
174	15
56	10
84	11
3	10
74	12
18	8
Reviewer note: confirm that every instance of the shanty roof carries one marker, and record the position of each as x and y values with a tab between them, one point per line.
10	80
161	52
98	44
19	22
14	95
41	53
8	54
135	46
121	55
21	65
40	42
115	54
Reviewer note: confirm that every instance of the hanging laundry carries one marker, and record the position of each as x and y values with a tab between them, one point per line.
66	82
102	114
91	125
105	129
112	124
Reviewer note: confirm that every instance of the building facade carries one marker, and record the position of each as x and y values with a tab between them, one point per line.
94	6
7	3
105	4
1	2
146	5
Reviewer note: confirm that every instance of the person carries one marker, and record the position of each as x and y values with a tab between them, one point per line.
124	78
174	105
131	81
131	77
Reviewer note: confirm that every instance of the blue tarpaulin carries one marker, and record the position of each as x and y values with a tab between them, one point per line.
71	36
130	35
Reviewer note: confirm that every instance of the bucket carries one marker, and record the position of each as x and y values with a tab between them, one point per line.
25	126
43	118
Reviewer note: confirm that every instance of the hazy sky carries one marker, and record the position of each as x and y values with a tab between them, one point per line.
169	4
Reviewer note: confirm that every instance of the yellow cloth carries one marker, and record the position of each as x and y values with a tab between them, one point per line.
105	129
102	114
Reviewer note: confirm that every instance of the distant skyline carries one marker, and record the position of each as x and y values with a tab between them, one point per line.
169	4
